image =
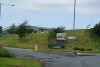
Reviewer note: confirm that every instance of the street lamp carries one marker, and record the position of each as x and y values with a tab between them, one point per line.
74	27
4	4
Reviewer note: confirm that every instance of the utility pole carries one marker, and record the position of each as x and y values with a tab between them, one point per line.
74	18
0	10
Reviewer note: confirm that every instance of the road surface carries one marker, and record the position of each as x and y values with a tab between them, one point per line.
52	60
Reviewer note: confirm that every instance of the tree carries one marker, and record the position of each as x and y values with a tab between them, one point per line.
12	29
60	29
22	31
0	30
29	29
96	29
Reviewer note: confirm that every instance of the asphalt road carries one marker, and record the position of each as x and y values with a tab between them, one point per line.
52	60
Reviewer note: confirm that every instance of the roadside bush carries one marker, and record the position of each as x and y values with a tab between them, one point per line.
5	53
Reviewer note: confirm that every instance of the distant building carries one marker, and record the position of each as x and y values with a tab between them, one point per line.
39	29
35	29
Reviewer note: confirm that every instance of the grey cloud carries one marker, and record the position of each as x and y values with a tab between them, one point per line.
83	6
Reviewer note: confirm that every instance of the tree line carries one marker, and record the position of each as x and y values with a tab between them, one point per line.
22	30
96	29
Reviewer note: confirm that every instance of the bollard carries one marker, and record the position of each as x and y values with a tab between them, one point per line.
36	47
97	52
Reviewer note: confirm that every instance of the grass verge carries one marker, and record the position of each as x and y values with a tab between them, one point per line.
13	62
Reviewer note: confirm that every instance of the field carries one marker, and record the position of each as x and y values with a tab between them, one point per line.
30	41
84	40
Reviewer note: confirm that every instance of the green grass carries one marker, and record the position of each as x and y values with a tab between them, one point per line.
84	40
30	41
12	62
5	53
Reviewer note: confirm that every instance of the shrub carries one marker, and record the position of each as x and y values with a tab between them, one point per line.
5	53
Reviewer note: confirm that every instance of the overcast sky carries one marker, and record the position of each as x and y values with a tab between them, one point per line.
50	13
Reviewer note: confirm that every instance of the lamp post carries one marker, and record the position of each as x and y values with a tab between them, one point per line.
74	27
0	10
4	4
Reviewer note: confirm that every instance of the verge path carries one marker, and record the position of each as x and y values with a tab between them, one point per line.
51	60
